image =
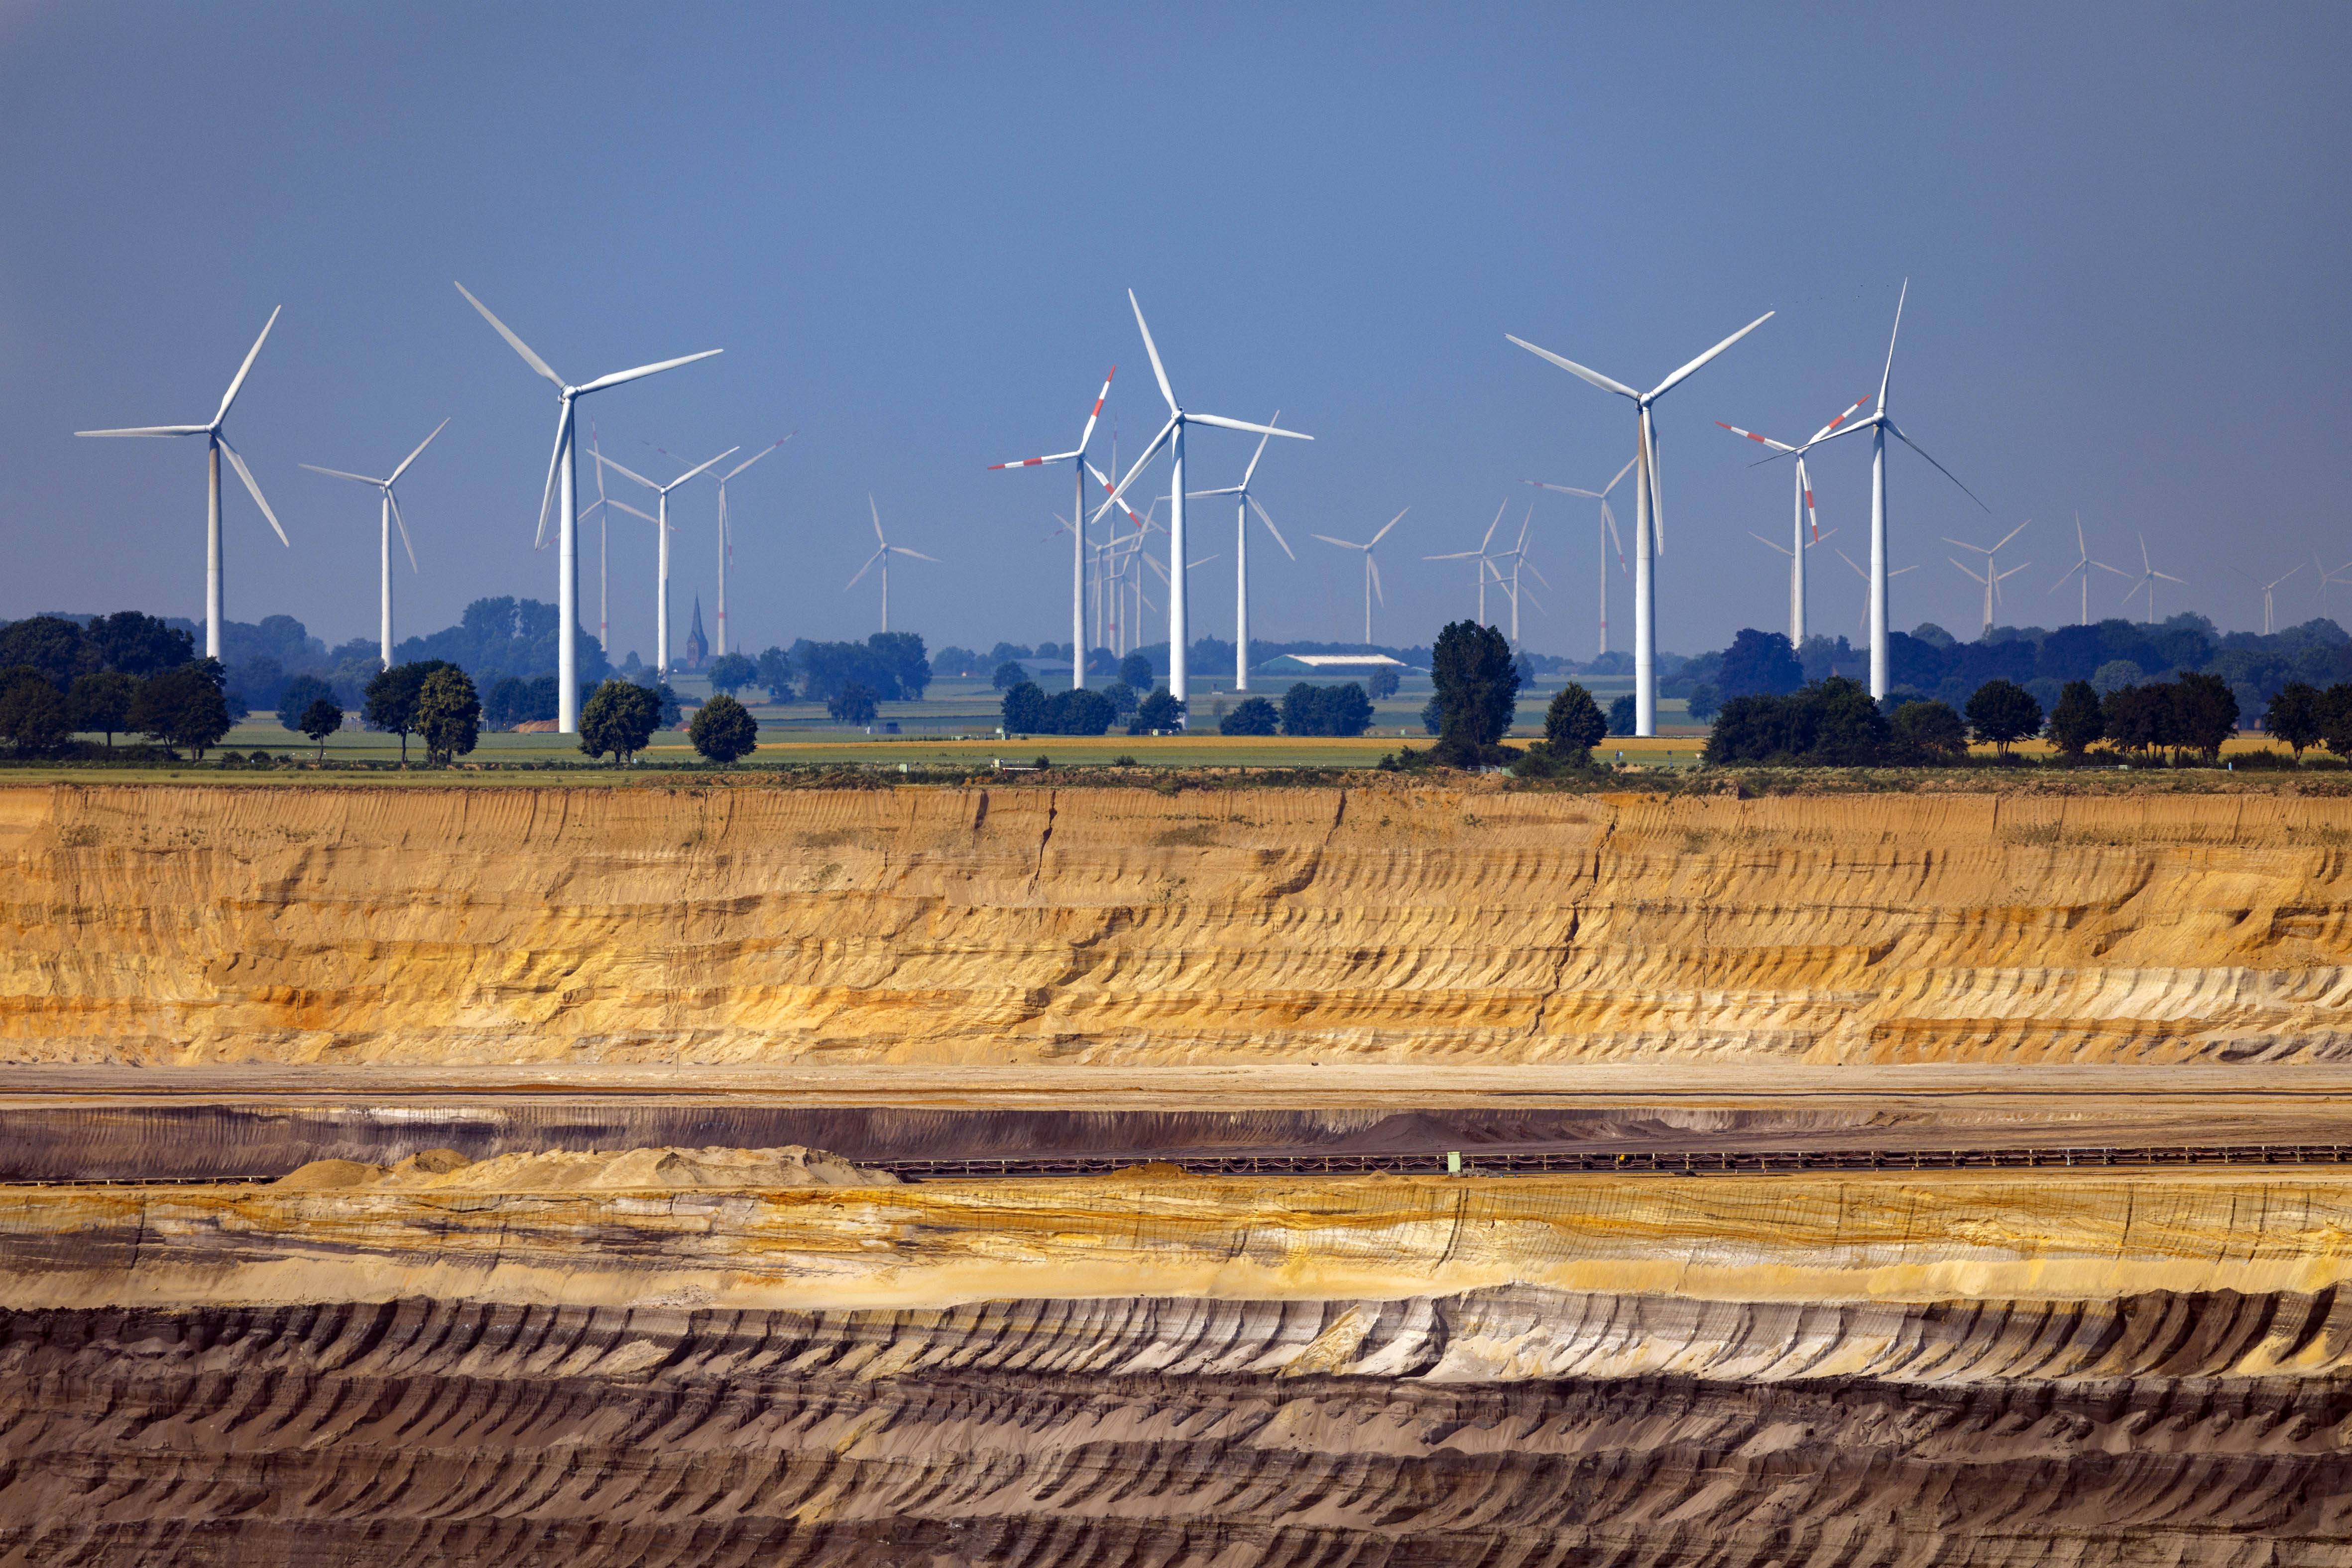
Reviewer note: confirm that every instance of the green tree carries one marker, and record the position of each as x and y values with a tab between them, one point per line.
295	699
141	645
2293	715
390	705
2336	720
618	719
1759	663
1310	709
2204	713
53	645
33	715
1703	701
1009	674
2138	718
730	673
2003	712
99	703
1022	711
1930	732
1384	682
2078	719
1573	725
320	720
448	716
854	703
1478	692
1621	715
776	674
1157	712
1077	713
183	706
1136	670
724	729
1250	716
1848	731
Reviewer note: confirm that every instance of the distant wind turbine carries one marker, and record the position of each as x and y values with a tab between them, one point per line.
2326	577
1992	579
2082	569
389	515
1480	556
561	468
882	555
662	532
216	445
1649	531
1609	535
1795	625
1244	502
2146	580
727	529
1371	569
2266	588
1803	512
1077	457
1863	619
1517	556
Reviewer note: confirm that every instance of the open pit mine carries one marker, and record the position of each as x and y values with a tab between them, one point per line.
1198	1177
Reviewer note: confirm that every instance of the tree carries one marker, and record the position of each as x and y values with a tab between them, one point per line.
53	645
1157	712
320	720
448	716
1384	682
1009	674
183	706
1620	716
33	713
2077	719
901	654
1759	663
2204	713
1848	729
515	701
730	673
295	698
2138	718
390	706
1309	709
776	674
854	703
1122	698
2004	713
1136	670
619	718
1250	716
1930	732
724	728
139	644
1703	701
2293	715
1478	692
1573	725
1078	713
99	703
2336	720
1024	711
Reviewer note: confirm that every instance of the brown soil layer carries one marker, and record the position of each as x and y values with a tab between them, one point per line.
192	924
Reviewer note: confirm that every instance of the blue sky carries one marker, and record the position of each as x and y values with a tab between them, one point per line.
912	230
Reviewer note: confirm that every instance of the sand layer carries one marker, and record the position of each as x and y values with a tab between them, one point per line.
166	924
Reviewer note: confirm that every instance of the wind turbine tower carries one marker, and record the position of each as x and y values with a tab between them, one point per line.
1608	536
389	515
1803	511
1077	457
2082	569
882	556
661	532
1371	569
1243	503
1992	579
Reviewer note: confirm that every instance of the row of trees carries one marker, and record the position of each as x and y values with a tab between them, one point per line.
1307	709
889	666
1027	709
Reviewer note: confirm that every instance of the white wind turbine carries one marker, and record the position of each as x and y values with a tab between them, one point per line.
1172	436
1608	533
1245	502
1796	627
1484	562
1863	621
882	555
2082	569
1649	531
2266	587
662	532
1802	509
1077	457
560	470
1992	579
1517	556
389	516
2326	577
726	527
2146	582
216	445
1880	426
1371	569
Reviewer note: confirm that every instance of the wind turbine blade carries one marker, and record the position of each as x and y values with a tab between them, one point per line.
1100	398
251	355
2012	533
1159	372
152	430
1383	533
1761	440
604	462
2167	577
1686	372
1538	575
877	521
1859	404
1569	366
419	452
1939	467
870	560
754	458
1805	487
1371	565
245	474
2012	572
619	505
1564	489
1251	473
902	549
1900	570
1888	373
691	472
1766	542
1222	423
620	377
2116	569
1615	538
1849	561
1972	575
1035	462
1104	480
1620	476
1964	544
1271	529
338	473
513	341
1149	453
1491	527
1658	495
547	491
401	524
1457	555
1343	543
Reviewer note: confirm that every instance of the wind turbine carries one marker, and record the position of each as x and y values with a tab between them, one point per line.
2081	567
1992	579
1517	556
1607	534
1863	621
389	516
1077	457
1649	531
560	465
1244	504
1480	556
1371	569
661	570
1172	435
883	555
2145	581
1796	595
2326	577
726	529
1802	511
2266	588
216	445
1880	426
